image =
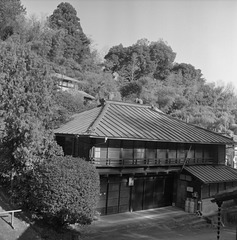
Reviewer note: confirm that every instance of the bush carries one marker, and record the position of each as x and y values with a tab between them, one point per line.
63	191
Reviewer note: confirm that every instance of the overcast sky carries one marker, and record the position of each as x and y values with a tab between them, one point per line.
202	32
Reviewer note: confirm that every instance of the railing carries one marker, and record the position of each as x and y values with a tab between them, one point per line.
5	213
110	162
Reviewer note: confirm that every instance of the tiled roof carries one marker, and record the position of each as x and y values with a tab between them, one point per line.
80	123
61	76
213	174
135	121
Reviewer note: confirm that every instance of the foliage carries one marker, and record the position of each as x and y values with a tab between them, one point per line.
75	41
162	56
101	85
131	89
63	190
25	98
10	10
141	59
73	103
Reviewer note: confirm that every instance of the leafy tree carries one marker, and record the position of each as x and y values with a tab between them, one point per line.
149	90
163	57
76	44
141	59
131	91
101	85
26	104
9	12
188	75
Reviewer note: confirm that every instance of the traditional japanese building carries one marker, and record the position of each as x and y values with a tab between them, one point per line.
147	159
71	85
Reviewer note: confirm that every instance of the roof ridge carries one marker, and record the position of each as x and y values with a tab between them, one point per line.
127	103
94	124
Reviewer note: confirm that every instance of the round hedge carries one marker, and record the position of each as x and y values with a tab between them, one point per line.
66	191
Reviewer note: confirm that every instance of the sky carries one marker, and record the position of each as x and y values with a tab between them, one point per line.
203	33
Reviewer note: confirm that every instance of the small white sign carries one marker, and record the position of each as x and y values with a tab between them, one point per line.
189	189
130	181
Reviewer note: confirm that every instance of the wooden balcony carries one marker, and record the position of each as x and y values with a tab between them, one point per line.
109	162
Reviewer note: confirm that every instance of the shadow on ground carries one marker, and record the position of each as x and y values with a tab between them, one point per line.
32	233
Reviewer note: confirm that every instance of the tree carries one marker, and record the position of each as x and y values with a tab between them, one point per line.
131	91
76	44
9	11
101	85
163	57
62	190
26	103
188	75
141	59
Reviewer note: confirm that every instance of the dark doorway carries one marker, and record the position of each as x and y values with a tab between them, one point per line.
137	194
114	195
152	192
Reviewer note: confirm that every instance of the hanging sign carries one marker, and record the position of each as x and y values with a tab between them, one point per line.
130	181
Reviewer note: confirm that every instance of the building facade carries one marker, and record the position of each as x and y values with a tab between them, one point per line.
147	159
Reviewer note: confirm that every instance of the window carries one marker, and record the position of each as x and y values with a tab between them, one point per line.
114	149
139	150
70	85
172	150
114	153
64	84
151	150
161	153
97	152
162	150
128	149
139	153
208	152
198	152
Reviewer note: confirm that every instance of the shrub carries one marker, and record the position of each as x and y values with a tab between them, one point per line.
63	191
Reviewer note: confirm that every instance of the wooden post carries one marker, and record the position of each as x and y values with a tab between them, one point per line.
12	219
219	203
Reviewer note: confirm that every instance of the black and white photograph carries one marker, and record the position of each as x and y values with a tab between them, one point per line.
118	120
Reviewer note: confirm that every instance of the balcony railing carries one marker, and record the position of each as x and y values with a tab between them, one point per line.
109	162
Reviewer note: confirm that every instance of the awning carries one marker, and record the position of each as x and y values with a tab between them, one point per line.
213	174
